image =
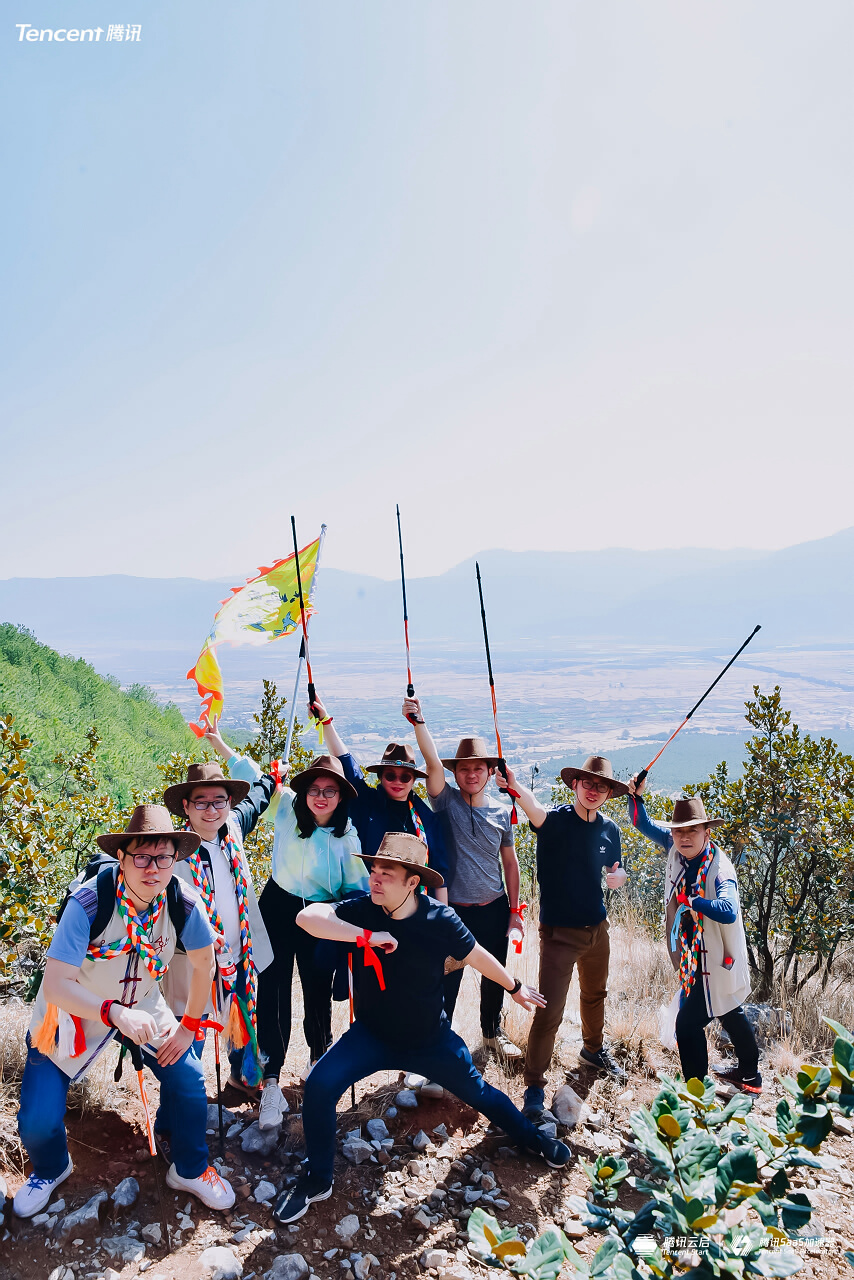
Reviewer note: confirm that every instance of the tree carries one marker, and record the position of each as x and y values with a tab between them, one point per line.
790	828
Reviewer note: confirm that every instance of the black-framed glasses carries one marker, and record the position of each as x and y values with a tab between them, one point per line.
201	805
160	860
328	793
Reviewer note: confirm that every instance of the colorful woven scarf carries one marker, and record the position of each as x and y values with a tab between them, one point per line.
417	823
241	1014
690	930
136	939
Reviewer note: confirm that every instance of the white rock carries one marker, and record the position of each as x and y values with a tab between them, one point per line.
347	1228
212	1121
441	1132
574	1229
40	1219
432	1090
567	1106
406	1098
434	1258
111	1274
264	1192
413	1081
56	1207
234	1129
259	1142
221	1263
153	1233
357	1151
550	1130
362	1266
288	1266
842	1124
423	1219
124	1248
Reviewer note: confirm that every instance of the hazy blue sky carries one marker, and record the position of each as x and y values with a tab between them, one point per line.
549	274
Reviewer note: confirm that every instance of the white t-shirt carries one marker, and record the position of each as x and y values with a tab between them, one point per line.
225	895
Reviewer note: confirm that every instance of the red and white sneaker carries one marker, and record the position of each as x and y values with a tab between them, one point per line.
210	1188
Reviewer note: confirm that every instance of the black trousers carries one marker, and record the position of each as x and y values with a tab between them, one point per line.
489	926
691	1022
289	942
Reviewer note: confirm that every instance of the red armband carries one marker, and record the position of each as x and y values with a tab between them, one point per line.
105	1013
371	957
192	1024
328	720
520	910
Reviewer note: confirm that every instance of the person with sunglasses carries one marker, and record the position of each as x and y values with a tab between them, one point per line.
575	844
97	987
393	805
223	811
315	859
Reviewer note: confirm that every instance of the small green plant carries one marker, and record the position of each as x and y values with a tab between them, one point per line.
718	1178
542	1259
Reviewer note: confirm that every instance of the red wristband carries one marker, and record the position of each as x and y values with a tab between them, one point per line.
328	720
105	1013
192	1024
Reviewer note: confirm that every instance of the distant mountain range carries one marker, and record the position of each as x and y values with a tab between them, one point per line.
692	598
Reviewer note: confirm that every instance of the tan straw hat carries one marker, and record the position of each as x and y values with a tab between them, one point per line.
691	813
599	769
410	852
208	774
471	749
397	755
150	820
324	767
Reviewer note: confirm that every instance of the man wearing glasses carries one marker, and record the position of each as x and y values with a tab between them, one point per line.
222	812
575	843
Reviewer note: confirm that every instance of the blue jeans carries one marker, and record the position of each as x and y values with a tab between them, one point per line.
360	1053
41	1116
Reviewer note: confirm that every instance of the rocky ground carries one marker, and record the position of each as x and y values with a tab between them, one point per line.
408	1177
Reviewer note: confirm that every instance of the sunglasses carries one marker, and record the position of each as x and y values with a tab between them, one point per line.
328	793
160	860
398	775
201	805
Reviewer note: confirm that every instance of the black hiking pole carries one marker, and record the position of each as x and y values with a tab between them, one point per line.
312	692
502	763
639	779
410	687
138	1063
215	1001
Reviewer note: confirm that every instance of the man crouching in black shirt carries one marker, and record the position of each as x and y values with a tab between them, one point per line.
404	938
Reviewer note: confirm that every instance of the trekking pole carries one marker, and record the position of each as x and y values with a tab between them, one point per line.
350	981
215	1003
502	763
312	692
138	1063
410	687
292	717
643	773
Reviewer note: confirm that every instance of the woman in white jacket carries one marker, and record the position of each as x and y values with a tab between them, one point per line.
705	935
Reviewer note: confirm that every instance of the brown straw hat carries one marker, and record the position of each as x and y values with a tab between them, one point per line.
150	820
471	749
691	813
324	767
410	852
203	775
598	768
398	755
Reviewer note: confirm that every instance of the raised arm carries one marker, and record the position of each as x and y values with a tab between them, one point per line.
330	733
641	820
528	802
427	747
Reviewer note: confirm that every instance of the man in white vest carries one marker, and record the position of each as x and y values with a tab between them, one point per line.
96	987
705	935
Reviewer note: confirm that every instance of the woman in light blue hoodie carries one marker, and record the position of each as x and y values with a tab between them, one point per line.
315	859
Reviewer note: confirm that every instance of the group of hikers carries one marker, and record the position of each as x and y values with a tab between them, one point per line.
398	895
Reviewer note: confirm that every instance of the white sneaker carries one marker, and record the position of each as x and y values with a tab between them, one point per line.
210	1188
502	1045
36	1192
274	1104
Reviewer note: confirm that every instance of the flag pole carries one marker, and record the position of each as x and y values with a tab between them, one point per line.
302	651
502	763
410	687
643	773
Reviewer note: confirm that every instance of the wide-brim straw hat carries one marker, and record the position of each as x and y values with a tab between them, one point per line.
397	755
471	749
203	775
691	813
150	820
410	852
598	769
324	767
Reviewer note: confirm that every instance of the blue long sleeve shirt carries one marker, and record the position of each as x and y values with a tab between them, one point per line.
724	906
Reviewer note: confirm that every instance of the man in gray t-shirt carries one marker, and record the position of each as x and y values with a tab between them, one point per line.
483	880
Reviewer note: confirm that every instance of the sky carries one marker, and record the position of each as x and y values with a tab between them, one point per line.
556	275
